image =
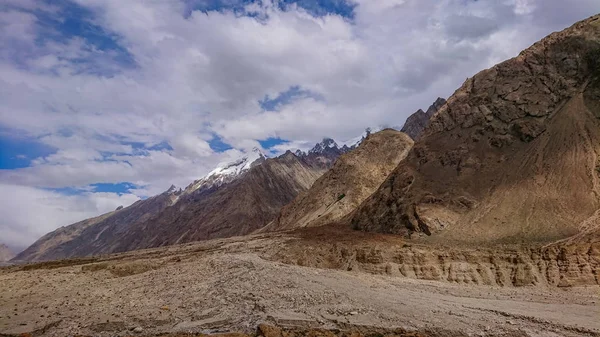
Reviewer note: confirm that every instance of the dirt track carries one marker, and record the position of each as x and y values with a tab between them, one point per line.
226	286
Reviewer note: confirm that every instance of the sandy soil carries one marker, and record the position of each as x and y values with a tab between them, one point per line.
225	285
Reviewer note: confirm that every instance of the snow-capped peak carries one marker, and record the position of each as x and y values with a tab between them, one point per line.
229	171
239	165
327	143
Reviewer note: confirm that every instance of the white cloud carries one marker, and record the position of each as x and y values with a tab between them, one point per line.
28	213
203	74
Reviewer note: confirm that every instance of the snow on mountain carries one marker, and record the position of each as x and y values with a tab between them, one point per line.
227	172
238	166
327	143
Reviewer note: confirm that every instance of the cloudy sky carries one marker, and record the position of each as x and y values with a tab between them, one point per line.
103	102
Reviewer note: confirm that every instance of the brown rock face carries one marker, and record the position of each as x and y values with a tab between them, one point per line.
353	177
235	208
513	156
564	264
416	123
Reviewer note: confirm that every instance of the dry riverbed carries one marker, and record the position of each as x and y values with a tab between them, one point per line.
227	286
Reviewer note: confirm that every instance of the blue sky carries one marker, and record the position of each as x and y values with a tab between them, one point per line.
17	152
104	102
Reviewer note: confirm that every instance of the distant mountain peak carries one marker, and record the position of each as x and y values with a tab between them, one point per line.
229	171
417	122
257	150
172	189
326	143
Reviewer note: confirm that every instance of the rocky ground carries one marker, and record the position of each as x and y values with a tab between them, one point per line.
234	285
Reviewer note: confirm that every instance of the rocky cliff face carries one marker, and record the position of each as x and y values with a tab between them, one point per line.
565	264
416	123
513	156
235	199
353	177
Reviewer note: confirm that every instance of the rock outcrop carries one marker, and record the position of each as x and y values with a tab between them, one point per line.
353	177
416	123
512	157
557	265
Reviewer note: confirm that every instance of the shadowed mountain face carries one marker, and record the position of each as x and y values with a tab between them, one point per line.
353	177
513	156
416	123
234	199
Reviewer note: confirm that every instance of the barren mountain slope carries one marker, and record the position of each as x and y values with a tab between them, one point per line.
95	235
512	156
354	177
236	207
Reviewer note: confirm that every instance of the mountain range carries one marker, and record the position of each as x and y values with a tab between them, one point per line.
512	157
236	198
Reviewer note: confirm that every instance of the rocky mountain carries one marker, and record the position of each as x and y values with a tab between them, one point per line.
416	123
234	199
6	253
323	154
513	156
353	177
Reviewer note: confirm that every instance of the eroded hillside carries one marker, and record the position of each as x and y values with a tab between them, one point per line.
353	177
511	158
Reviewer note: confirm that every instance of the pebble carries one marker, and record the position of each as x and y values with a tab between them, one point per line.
139	329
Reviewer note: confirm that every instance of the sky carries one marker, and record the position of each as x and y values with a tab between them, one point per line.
104	102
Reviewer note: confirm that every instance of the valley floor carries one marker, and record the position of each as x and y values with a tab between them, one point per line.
233	285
